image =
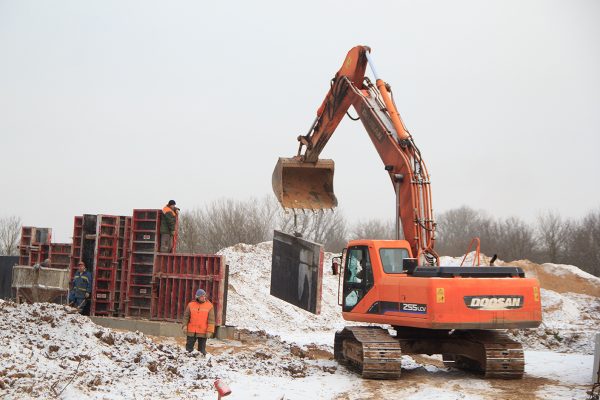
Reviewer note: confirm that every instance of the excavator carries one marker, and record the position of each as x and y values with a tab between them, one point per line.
421	307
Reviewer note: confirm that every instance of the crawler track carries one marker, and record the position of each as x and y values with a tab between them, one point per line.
496	355
375	354
369	350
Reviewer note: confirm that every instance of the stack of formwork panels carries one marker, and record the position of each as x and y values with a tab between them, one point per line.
84	242
88	240
60	254
105	265
77	241
34	246
145	242
176	278
122	262
26	232
125	263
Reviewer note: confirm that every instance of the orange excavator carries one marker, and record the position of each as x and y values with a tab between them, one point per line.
458	312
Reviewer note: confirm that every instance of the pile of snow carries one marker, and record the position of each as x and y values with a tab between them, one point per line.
567	271
250	305
48	351
569	323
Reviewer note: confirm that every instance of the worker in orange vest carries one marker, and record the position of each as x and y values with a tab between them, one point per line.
198	322
168	225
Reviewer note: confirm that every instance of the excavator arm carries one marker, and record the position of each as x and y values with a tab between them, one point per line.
305	181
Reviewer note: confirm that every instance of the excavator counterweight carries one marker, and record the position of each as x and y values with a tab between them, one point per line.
306	185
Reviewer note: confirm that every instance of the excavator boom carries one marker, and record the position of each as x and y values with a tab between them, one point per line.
306	182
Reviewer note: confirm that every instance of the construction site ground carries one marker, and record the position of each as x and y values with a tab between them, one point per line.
48	351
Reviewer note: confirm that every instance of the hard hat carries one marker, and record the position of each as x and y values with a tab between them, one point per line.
200	293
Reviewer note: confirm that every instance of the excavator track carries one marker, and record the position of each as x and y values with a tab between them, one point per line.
496	355
369	350
373	353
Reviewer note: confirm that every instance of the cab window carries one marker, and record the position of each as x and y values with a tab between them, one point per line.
358	276
392	260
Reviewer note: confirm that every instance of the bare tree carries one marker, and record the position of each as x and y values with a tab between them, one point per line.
224	223
189	237
326	227
511	239
516	240
456	228
10	230
373	229
583	243
552	236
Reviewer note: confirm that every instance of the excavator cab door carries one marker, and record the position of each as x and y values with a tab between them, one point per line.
358	276
341	276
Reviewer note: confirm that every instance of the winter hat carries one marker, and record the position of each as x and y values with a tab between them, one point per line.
200	293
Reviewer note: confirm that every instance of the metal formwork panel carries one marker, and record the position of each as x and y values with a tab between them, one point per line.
176	278
60	255
24	255
122	259
26	232
105	265
125	261
77	241
145	241
34	244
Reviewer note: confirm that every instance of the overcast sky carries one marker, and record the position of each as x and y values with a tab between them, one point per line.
107	106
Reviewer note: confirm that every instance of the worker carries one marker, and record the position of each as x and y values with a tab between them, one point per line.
198	322
81	289
168	224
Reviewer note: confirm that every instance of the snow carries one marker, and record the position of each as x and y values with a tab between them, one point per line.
574	369
251	306
283	353
566	270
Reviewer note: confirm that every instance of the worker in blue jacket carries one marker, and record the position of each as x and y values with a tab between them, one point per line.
81	290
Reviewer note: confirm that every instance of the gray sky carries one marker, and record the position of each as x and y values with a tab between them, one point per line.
107	106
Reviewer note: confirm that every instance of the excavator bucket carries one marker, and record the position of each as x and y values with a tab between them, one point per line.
299	184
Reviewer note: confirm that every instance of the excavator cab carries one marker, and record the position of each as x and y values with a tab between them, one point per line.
307	185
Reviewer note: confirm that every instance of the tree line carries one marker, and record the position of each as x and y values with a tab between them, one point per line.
551	238
226	222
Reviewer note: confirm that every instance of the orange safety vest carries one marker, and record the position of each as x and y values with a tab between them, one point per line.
199	316
167	210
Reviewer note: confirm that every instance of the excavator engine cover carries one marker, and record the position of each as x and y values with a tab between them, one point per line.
299	184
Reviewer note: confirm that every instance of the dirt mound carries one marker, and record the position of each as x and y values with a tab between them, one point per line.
560	278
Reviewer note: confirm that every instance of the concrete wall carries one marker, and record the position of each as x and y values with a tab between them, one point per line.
155	328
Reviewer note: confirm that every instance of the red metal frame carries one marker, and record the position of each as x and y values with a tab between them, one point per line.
60	255
123	252
34	245
76	247
176	278
145	243
105	265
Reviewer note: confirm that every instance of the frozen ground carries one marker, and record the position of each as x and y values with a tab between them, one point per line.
46	351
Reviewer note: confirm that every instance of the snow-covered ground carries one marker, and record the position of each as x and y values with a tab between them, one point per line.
46	351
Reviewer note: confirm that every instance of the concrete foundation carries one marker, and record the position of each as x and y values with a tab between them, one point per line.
156	328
